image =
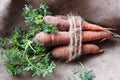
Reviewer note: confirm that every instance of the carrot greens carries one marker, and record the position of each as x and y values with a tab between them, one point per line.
83	73
22	53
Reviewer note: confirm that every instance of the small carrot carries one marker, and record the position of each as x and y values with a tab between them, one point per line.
63	24
63	38
62	52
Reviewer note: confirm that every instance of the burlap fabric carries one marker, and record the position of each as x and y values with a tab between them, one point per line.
102	12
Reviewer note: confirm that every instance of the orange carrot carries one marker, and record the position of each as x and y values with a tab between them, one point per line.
62	52
63	24
63	38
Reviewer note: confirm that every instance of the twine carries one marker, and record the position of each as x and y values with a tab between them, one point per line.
75	33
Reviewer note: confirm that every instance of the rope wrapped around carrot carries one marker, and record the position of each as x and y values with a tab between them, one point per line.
74	31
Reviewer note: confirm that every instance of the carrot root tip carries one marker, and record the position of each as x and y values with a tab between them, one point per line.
109	29
103	39
101	51
116	35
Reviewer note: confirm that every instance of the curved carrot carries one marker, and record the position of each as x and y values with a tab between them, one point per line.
63	38
62	52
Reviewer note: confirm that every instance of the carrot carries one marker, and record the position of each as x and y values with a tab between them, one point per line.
63	24
62	52
63	38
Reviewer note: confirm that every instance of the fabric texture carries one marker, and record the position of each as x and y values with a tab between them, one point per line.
105	66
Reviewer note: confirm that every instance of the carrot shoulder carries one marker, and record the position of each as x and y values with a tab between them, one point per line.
61	24
61	38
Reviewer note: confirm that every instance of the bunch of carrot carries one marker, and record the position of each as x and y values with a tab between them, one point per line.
61	40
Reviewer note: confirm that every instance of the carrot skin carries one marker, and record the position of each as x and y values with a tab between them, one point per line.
63	38
61	24
62	17
92	27
62	52
92	35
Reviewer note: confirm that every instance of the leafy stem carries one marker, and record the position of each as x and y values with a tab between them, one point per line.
21	52
83	73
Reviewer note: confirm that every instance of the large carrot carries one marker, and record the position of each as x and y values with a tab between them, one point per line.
63	24
63	38
63	52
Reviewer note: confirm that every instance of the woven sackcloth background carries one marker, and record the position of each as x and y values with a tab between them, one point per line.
102	12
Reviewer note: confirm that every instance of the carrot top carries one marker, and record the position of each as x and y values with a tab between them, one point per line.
21	52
